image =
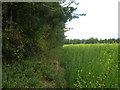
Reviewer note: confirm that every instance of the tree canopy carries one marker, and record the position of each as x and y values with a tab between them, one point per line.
30	27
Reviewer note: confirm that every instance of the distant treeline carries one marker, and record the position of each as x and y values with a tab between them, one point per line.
91	41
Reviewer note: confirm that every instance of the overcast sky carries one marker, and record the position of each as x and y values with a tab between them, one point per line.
101	20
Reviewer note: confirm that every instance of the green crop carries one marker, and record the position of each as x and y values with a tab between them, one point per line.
91	65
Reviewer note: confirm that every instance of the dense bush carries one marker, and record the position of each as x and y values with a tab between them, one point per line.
13	46
30	28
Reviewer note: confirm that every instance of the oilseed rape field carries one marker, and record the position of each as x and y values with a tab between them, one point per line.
91	65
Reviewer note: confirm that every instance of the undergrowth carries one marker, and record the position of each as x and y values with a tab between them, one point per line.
36	72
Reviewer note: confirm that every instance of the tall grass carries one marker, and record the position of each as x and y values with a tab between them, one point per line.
91	65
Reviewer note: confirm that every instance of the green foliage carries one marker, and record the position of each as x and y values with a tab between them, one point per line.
13	47
29	28
36	72
33	29
91	65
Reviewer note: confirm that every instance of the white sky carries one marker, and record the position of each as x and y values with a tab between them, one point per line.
101	20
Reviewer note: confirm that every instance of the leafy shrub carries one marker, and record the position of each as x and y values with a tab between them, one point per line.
13	47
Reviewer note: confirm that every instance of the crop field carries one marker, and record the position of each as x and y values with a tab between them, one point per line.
91	65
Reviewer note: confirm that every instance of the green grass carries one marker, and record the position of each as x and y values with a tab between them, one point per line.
37	72
91	65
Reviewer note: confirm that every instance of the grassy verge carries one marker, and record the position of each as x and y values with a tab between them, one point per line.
91	65
40	71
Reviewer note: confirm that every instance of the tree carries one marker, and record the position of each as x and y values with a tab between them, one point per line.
29	28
